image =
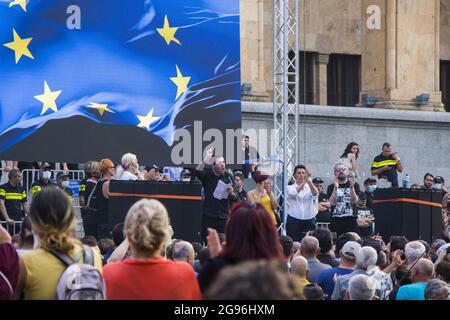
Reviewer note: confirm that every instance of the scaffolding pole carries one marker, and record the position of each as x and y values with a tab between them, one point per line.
286	94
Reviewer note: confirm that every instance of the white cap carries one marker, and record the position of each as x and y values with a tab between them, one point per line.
350	249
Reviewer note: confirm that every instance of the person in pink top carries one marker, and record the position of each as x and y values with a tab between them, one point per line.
147	275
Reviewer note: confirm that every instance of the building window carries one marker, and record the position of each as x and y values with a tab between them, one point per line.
306	83
445	84
344	80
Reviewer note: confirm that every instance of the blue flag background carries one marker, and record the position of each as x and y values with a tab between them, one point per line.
125	79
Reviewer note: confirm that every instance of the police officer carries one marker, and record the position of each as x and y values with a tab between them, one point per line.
45	174
13	200
62	182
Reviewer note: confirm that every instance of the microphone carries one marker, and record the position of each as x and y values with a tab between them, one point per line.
230	176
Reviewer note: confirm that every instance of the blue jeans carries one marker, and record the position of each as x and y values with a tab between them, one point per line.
297	229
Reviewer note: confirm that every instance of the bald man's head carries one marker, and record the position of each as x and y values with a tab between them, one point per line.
183	251
299	266
310	247
423	270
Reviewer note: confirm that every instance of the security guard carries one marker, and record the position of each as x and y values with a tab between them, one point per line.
13	199
45	173
386	165
62	180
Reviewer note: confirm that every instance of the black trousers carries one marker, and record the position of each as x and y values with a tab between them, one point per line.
344	225
297	229
214	223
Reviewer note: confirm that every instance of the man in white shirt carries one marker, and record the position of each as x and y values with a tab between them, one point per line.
303	204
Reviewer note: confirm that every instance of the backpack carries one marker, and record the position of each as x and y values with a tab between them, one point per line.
79	281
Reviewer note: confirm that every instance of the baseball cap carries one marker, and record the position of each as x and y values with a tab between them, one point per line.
369	180
350	249
62	174
317	180
438	179
185	172
46	165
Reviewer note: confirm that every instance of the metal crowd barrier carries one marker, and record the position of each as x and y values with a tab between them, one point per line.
12	229
29	176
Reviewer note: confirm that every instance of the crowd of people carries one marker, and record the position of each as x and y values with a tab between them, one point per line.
242	254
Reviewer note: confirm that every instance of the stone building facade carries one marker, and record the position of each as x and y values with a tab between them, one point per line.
363	80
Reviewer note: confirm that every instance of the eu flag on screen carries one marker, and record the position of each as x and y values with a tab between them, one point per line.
83	79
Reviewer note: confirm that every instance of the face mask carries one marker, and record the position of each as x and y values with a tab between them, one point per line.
65	184
372	188
46	175
186	179
437	186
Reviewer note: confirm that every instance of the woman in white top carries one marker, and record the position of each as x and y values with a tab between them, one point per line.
349	157
303	204
129	169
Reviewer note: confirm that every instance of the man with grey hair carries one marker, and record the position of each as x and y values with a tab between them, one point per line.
414	250
309	250
436	290
421	274
183	251
361	287
299	271
366	259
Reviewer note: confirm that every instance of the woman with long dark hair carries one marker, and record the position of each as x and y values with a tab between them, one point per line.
250	234
349	157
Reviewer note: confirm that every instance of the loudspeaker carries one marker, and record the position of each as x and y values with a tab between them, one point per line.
414	214
182	201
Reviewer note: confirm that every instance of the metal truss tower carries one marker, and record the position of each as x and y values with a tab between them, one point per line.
286	93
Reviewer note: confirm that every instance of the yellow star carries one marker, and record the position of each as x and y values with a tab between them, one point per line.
146	121
181	83
21	3
48	99
101	108
20	46
168	33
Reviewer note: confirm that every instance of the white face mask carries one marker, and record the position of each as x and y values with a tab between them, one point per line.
65	184
437	186
46	175
186	179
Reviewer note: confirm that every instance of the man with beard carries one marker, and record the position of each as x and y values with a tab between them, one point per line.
343	197
215	205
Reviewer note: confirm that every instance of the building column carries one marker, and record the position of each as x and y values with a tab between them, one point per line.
321	87
399	54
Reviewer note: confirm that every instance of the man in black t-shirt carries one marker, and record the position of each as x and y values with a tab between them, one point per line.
370	185
250	156
343	197
13	199
386	165
215	205
324	205
366	218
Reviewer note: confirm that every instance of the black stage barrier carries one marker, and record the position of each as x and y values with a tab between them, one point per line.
182	200
415	214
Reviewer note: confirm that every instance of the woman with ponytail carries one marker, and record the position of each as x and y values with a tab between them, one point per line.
52	217
147	275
